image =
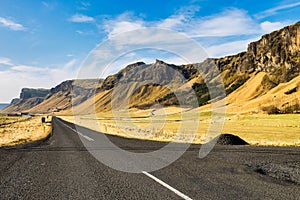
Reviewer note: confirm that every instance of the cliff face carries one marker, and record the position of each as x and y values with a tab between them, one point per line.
277	48
65	86
277	53
112	80
29	98
27	93
66	94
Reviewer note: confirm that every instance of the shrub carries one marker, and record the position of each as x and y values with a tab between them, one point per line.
271	109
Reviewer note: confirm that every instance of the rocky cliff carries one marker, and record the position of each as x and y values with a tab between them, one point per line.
158	73
27	93
277	53
29	97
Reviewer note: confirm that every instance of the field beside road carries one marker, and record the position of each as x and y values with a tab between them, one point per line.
16	130
163	125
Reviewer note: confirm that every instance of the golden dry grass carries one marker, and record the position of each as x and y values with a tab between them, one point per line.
249	97
23	130
256	129
9	120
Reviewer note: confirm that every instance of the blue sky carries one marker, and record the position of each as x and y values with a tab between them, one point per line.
45	42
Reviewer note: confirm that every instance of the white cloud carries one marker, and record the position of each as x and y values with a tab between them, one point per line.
123	23
230	22
179	19
229	48
5	61
176	61
268	27
79	18
11	24
121	27
26	68
172	22
70	64
80	32
273	11
33	76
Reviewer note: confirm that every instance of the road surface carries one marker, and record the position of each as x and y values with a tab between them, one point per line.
62	168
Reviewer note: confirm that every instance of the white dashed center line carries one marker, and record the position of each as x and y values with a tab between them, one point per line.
167	186
82	135
180	194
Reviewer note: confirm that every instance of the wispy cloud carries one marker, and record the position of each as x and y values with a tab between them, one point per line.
172	22
268	26
123	23
26	68
229	22
70	64
179	19
83	5
79	18
275	10
49	5
6	61
11	24
45	4
84	32
229	48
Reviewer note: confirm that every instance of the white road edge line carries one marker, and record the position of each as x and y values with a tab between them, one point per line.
82	135
167	186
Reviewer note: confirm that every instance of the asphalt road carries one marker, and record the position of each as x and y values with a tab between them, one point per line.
62	168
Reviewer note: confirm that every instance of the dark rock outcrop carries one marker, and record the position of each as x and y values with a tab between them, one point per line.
229	139
27	93
15	100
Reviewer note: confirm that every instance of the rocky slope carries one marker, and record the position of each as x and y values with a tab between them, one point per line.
277	54
53	100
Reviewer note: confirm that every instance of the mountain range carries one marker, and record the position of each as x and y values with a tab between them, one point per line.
265	78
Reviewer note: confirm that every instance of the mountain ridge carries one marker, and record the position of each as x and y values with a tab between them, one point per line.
274	59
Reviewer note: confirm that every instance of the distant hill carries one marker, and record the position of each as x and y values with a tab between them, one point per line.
52	100
3	105
265	76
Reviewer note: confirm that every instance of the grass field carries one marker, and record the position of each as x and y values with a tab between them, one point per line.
5	120
18	130
256	129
